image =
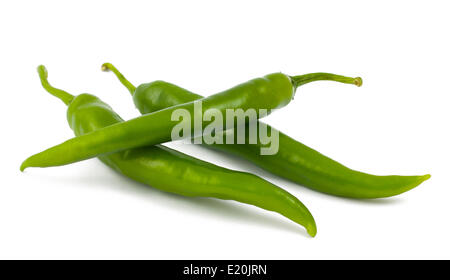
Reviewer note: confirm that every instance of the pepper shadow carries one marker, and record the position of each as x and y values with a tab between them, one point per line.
103	177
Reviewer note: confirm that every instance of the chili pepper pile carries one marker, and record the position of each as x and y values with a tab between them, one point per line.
133	147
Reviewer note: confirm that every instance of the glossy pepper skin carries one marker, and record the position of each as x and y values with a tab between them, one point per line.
269	92
171	171
294	160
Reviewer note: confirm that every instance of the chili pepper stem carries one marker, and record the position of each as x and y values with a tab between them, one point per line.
61	94
109	67
312	77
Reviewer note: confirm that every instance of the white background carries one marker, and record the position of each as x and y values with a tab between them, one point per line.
397	123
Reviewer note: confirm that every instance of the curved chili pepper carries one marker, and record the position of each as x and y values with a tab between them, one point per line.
294	160
270	92
171	171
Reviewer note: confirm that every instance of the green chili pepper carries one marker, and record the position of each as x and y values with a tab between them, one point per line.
175	172
294	160
270	92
